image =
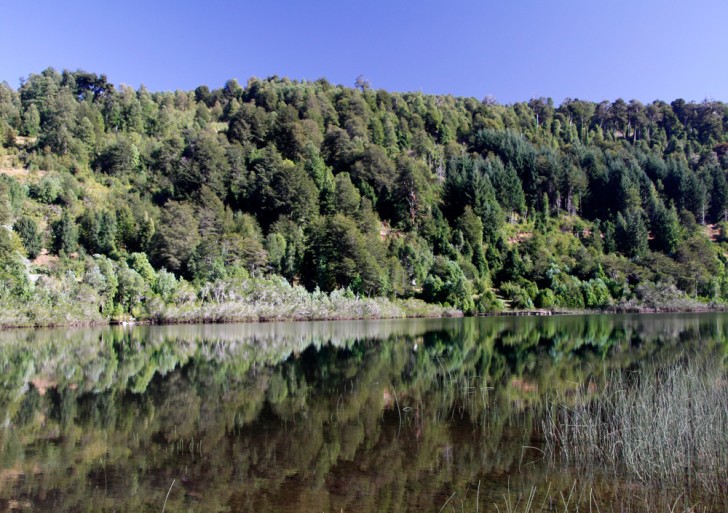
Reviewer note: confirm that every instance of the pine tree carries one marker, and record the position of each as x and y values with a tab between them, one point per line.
65	234
631	233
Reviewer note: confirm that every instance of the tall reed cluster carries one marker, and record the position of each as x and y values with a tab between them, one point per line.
667	427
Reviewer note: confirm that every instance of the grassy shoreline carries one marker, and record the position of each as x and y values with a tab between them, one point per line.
319	307
614	310
337	306
398	309
83	302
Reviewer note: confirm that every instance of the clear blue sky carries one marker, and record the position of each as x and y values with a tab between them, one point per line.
512	50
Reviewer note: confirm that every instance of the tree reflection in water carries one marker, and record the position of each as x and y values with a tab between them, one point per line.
343	416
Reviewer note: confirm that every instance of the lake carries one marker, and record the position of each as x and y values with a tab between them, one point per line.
401	416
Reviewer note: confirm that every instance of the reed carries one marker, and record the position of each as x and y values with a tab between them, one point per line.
666	428
582	496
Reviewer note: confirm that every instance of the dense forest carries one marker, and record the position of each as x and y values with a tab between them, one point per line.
295	195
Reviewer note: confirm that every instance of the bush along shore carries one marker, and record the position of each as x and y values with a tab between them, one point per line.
106	292
81	289
118	203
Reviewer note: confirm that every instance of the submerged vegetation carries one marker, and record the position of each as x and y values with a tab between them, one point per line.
118	202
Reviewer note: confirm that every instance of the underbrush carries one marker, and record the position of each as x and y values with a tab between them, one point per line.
258	299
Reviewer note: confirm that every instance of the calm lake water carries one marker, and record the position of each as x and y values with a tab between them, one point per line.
400	416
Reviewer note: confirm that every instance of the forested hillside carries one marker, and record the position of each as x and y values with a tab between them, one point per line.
158	204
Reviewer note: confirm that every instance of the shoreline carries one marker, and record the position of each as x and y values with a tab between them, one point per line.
445	313
614	310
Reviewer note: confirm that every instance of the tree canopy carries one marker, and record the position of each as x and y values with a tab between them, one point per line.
453	200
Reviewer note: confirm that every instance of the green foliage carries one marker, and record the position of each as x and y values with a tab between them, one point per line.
666	231
31	121
373	192
415	258
65	234
631	234
98	231
139	263
14	281
512	148
467	183
13	192
275	246
339	256
567	289
517	295
487	301
120	157
513	266
6	210
100	274
545	298
165	285
27	230
347	196
177	236
596	293
471	228
131	289
47	190
446	284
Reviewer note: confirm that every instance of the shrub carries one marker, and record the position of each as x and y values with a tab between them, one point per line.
48	189
447	284
488	302
568	292
517	295
596	293
545	298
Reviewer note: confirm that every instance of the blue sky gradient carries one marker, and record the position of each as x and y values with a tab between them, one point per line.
512	50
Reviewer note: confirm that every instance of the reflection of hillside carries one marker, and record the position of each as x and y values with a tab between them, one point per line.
326	416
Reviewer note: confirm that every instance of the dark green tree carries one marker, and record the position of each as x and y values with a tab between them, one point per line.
339	256
65	234
631	234
665	227
32	238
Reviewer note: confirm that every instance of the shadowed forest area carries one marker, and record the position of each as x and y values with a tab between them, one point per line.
303	200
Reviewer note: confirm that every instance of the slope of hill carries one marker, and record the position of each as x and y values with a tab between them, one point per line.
194	205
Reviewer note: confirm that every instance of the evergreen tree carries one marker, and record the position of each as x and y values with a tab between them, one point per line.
666	229
65	234
631	234
27	229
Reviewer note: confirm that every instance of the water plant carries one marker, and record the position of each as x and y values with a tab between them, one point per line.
666	428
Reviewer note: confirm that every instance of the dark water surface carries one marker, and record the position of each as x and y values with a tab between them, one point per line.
400	416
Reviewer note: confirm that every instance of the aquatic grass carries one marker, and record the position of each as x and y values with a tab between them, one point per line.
666	428
579	496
